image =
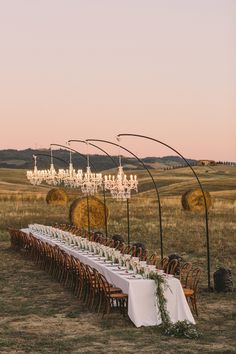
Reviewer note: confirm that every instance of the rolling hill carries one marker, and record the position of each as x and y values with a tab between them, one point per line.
23	159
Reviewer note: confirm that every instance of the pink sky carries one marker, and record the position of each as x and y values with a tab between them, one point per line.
93	69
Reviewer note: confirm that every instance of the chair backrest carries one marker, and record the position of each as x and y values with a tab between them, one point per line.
89	274
153	259
83	272
72	263
133	251
163	263
140	249
118	240
127	249
171	266
193	279
122	248
183	273
103	284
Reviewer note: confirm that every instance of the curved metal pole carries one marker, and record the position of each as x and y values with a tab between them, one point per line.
96	146
203	194
103	186
128	223
57	158
87	198
77	152
154	183
103	189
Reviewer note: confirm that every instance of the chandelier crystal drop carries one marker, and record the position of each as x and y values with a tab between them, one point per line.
35	176
120	186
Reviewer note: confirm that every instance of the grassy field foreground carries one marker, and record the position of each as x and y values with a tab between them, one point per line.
38	316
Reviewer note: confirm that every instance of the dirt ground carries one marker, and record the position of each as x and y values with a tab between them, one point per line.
37	315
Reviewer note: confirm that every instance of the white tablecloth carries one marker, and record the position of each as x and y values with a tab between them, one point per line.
142	308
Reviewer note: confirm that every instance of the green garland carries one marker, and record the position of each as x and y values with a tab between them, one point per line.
178	329
161	284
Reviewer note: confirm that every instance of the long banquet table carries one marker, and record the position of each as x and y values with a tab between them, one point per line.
142	305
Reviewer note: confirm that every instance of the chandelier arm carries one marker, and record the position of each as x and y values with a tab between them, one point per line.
154	183
203	194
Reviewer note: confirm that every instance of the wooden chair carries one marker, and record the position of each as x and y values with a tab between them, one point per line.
71	271
171	266
133	251
77	280
163	263
183	273
93	289
56	269
153	259
191	289
126	249
90	284
81	281
111	297
108	242
118	245
15	238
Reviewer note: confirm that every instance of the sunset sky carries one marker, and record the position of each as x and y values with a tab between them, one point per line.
96	68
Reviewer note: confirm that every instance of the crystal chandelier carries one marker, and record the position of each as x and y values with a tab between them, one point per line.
91	182
120	185
51	175
70	177
36	176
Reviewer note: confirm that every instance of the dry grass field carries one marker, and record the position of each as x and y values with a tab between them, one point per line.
38	316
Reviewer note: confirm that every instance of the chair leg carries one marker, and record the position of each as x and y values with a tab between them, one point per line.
195	305
99	302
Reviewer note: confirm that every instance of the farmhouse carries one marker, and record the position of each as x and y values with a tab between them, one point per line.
206	163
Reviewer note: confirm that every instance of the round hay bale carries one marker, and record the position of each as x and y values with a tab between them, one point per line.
57	196
79	212
193	200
